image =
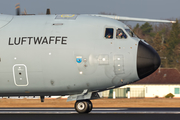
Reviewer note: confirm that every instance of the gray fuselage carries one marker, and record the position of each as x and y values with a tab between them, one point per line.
39	55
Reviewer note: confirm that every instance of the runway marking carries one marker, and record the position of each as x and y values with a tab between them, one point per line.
59	109
111	109
35	109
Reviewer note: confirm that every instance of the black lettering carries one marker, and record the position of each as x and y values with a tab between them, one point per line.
17	43
30	40
45	40
62	42
50	39
23	40
10	42
37	40
57	39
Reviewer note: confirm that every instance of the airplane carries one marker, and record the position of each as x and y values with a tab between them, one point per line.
71	54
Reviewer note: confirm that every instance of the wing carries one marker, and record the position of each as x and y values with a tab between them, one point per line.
133	19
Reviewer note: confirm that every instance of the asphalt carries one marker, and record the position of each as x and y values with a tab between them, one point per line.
96	114
94	111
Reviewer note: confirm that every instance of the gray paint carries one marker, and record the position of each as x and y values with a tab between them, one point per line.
52	68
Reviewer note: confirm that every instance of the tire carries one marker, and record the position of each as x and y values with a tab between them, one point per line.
82	107
90	105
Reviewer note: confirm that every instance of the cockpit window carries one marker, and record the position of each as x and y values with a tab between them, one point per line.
109	33
120	34
130	32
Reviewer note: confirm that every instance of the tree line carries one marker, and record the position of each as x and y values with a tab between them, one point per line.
165	39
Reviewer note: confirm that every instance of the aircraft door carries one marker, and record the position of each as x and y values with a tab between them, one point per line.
20	75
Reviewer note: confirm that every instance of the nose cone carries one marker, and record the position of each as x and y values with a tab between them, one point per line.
148	60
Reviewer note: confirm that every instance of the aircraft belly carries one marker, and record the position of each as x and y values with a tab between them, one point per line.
56	72
8	85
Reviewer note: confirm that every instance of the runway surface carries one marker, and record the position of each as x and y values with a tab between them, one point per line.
94	111
96	114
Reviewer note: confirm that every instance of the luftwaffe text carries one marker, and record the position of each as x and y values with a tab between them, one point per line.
38	40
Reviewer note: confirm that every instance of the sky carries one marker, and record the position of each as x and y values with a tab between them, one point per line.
155	9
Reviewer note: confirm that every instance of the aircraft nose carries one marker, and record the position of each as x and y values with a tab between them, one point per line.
148	60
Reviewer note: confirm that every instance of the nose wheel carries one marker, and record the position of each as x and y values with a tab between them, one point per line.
84	106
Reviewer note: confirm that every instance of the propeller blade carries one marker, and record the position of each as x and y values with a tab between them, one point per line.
25	12
17	9
134	19
48	12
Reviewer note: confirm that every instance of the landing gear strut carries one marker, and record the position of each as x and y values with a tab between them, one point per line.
42	98
83	106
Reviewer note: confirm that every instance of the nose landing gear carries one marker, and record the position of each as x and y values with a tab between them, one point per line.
84	106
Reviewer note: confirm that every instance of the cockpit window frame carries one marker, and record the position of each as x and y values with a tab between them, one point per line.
131	33
124	35
105	33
